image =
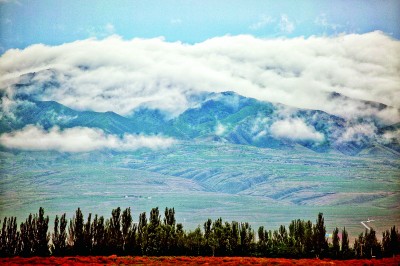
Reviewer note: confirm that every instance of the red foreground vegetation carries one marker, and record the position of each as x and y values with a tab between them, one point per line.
114	260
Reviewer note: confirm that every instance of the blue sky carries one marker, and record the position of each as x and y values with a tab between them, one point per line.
26	22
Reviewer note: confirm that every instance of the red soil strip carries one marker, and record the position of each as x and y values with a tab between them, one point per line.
114	260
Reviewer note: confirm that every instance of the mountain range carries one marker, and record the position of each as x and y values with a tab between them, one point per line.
223	117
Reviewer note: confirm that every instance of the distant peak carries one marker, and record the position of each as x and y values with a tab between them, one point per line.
229	93
334	95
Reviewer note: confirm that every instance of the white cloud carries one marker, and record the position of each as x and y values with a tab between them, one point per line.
118	75
358	132
79	139
295	129
285	25
220	129
262	22
391	136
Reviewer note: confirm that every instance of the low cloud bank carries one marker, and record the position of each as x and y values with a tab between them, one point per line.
295	129
119	75
79	139
358	132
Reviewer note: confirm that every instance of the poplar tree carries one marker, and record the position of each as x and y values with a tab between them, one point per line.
345	249
320	242
59	236
114	234
76	239
42	237
335	243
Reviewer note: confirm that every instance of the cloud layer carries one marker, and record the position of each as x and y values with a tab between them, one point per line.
118	75
79	139
295	129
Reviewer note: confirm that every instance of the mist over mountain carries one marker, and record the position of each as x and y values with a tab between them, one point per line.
114	74
220	117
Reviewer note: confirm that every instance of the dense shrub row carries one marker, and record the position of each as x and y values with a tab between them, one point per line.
156	236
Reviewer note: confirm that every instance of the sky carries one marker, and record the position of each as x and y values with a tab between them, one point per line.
27	22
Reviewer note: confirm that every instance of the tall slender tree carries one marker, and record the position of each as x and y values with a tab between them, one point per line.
320	242
76	237
235	236
335	243
142	233
372	247
308	239
88	236
394	241
9	237
59	236
345	248
42	237
99	235
154	233
27	237
114	234
208	238
127	232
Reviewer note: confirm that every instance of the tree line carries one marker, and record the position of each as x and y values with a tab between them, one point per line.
157	236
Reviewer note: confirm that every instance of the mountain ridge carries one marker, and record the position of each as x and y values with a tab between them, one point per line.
224	117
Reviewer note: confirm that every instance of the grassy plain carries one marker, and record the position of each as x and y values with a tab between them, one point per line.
207	180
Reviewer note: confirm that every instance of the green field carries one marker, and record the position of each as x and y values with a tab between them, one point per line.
207	180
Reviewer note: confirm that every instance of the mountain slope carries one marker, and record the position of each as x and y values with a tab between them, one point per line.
223	117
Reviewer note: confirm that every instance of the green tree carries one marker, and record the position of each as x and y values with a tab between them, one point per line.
76	236
209	246
88	236
114	234
142	233
394	241
227	235
218	233
9	238
169	217
320	242
391	242
99	238
372	246
27	236
34	239
180	240
169	231
128	232
246	238
194	242
296	237
235	237
359	246
345	249
42	237
262	245
59	236
335	243
308	249
154	232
